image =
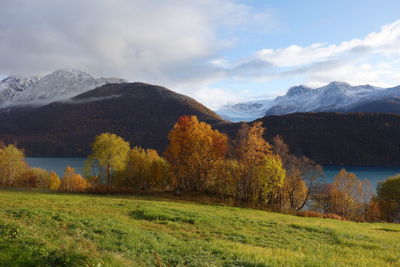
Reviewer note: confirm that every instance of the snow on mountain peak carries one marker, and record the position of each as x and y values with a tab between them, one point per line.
59	85
335	96
299	90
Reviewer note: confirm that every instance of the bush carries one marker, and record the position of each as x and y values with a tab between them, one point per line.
72	182
39	178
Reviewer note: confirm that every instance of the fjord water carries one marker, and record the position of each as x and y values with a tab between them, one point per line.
374	174
57	165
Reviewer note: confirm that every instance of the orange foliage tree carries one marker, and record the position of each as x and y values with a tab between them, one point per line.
262	172
72	182
193	151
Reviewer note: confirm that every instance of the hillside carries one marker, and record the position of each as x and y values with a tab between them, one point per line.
363	139
50	229
141	113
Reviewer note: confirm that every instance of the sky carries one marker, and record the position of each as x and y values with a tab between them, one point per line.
216	51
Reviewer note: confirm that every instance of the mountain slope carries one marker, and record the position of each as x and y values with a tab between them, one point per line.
386	105
59	85
141	113
360	139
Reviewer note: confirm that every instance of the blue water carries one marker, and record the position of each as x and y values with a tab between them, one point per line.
57	165
374	174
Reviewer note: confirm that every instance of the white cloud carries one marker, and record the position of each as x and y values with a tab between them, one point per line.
216	97
358	61
146	40
385	42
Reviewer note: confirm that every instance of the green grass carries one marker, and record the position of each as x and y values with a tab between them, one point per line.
49	229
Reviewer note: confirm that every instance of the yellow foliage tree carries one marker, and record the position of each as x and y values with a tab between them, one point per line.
193	151
40	178
262	173
12	165
144	170
228	173
301	176
54	181
109	154
389	198
72	182
350	189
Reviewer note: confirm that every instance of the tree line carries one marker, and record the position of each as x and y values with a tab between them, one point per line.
245	170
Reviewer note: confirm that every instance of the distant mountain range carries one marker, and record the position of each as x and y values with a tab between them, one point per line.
57	86
334	97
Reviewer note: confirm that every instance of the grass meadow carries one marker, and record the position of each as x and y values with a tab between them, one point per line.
54	229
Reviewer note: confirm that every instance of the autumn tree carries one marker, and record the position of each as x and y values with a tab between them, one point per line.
54	181
109	153
228	173
193	151
144	170
37	178
325	198
346	196
301	176
388	196
262	172
12	164
72	182
350	189
366	201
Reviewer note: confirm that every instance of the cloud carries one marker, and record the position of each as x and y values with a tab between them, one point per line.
159	41
367	60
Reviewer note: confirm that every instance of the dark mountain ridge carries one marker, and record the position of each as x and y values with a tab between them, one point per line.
358	139
141	113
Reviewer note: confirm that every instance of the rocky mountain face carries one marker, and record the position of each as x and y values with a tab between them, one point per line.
57	86
334	97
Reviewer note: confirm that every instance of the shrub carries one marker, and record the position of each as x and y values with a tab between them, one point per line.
72	182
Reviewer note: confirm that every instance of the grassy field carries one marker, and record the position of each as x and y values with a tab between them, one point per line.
49	229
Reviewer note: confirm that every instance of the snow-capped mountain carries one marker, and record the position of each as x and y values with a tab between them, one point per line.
57	86
11	87
336	96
